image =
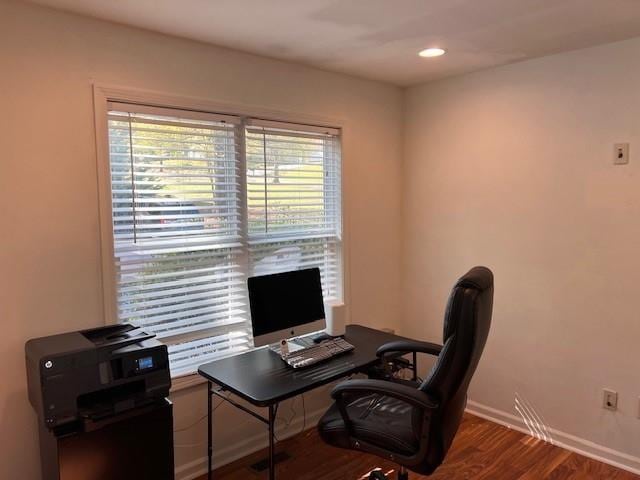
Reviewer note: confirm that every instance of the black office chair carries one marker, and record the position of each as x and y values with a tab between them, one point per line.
410	423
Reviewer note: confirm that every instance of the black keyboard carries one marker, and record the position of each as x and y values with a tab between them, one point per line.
318	353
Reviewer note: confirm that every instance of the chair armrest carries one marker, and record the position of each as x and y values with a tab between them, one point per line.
407	394
408	346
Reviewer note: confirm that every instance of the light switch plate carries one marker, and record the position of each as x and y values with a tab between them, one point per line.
620	153
609	399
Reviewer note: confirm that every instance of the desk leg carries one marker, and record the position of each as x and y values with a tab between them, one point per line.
209	429
272	420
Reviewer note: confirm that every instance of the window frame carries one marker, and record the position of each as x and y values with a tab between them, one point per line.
104	93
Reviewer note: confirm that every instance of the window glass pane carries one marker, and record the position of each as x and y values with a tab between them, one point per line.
172	181
291	183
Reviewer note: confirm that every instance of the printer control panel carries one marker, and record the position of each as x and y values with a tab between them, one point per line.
144	363
133	364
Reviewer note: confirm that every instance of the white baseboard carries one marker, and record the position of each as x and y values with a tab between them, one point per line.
564	440
230	453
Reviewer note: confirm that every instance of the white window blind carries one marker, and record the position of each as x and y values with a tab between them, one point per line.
293	200
202	201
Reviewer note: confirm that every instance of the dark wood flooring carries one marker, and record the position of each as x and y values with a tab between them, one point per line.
482	450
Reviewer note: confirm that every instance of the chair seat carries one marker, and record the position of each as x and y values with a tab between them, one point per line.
377	419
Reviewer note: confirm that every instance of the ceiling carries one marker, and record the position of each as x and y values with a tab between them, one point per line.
379	39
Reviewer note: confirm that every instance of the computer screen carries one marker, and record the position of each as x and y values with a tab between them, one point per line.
283	301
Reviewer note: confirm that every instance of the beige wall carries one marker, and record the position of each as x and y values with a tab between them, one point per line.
512	168
50	268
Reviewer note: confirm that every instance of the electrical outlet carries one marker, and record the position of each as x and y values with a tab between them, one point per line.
610	399
621	153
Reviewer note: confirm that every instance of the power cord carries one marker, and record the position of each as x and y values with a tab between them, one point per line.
178	430
304	418
304	415
223	400
293	412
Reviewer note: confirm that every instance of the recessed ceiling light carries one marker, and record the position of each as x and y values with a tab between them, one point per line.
432	52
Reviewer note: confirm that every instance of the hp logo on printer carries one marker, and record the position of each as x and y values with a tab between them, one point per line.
48	364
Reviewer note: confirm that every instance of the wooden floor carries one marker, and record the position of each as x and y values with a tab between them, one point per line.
482	450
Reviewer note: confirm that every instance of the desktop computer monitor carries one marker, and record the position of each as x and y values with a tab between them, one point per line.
285	305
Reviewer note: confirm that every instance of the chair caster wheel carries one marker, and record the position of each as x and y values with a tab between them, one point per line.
377	475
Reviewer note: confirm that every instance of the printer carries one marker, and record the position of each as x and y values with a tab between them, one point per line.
92	374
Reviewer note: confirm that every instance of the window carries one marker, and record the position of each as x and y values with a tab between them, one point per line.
202	201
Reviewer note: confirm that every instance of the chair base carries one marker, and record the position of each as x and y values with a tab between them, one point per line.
378	475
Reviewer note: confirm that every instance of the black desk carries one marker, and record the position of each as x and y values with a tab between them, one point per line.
261	378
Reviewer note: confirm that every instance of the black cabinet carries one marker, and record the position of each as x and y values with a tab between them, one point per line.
133	445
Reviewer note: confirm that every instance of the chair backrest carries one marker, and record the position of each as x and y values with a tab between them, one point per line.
466	327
